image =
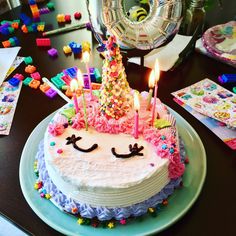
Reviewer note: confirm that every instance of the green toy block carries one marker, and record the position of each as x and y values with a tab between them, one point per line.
12	42
51	6
97	75
28	60
11	30
27	81
58	82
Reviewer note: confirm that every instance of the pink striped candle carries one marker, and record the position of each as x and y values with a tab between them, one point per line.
73	88
136	115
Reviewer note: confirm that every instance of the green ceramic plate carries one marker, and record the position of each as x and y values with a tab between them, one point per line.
179	203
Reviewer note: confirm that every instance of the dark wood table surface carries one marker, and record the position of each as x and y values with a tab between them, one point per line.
214	211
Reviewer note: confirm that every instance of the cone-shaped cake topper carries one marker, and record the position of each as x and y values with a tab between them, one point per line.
115	96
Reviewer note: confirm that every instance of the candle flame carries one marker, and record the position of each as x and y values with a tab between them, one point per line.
85	57
73	85
151	82
80	78
136	101
157	71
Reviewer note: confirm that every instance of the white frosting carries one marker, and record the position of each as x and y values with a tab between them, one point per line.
228	45
100	179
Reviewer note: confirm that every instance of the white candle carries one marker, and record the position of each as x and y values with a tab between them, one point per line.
151	84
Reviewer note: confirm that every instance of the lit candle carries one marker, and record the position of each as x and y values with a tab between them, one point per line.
81	86
73	88
136	115
151	84
157	75
85	59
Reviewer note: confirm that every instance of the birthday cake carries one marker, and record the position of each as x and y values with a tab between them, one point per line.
92	164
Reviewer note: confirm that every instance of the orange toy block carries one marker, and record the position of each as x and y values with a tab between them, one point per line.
24	28
6	44
34	84
30	69
68	93
15	25
44	87
96	86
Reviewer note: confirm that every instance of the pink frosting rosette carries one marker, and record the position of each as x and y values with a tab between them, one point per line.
56	129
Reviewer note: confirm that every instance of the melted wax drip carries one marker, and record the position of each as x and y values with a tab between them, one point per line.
134	151
72	140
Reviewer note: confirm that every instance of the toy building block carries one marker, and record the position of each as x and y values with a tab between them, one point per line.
58	82
44	87
34	84
14	82
28	60
51	6
77	15
24	29
76	48
27	81
36	76
40	26
51	93
66	79
30	69
86	81
67	49
18	76
67	18
97	75
86	46
43	42
52	52
69	92
44	10
96	86
61	18
25	19
15	25
72	72
6	44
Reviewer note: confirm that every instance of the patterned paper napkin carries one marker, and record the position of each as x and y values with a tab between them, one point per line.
210	99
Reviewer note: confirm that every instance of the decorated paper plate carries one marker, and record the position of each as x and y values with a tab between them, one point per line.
220	41
179	203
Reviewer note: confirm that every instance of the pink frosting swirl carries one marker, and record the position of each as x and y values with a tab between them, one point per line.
56	129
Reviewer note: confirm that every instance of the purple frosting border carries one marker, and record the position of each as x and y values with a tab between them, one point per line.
102	213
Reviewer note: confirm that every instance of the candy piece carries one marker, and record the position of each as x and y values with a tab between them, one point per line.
77	15
28	60
59	151
27	81
30	69
14	82
61	18
67	49
44	87
53	52
43	42
67	18
34	84
51	93
36	76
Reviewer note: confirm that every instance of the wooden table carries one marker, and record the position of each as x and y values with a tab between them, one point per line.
214	211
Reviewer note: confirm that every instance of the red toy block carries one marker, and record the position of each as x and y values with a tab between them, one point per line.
30	69
43	42
67	79
19	76
34	84
15	25
36	76
24	28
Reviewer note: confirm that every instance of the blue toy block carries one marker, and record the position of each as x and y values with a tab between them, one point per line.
26	20
14	82
72	72
32	2
16	40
